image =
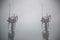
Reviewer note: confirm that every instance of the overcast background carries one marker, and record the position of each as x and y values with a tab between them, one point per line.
29	12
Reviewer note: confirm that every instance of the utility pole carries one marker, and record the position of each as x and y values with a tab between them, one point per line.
11	21
45	21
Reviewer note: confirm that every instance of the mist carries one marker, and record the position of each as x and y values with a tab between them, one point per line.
29	12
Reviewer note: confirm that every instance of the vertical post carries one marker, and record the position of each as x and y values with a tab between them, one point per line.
46	31
8	22
11	20
46	23
12	30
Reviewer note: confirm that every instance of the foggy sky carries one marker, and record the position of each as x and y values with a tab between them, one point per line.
29	12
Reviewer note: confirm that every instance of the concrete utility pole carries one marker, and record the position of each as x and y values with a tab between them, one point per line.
11	21
45	20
